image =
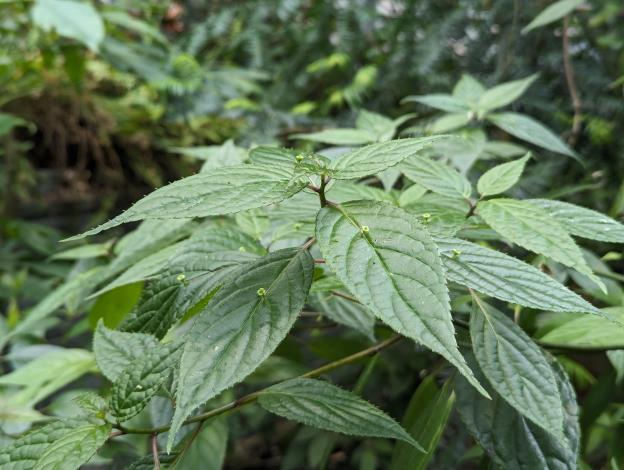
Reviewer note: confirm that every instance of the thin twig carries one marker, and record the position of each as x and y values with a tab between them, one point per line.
155	451
569	75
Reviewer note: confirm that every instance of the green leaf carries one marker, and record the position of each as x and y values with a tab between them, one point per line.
193	274
339	136
131	23
48	373
222	191
533	228
589	331
207	449
240	327
381	127
84	252
504	94
142	379
342	191
411	195
468	89
23	452
503	277
516	367
113	306
502	177
375	158
528	129
325	406
115	351
552	13
441	101
425	419
76	20
74	448
449	122
345	312
437	177
513	442
583	222
389	262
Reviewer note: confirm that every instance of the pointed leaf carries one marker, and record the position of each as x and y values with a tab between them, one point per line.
533	228
437	177
388	261
583	222
240	327
441	101
516	367
468	89
222	191
552	13
325	406
513	442
528	129
345	312
115	351
207	450
502	177
503	277
589	331
375	158
339	136
74	448
425	418
504	94
138	383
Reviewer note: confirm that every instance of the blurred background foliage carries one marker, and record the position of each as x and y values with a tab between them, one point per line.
102	102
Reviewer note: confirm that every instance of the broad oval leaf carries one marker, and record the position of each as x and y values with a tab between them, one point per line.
504	94
116	351
502	177
516	367
552	13
375	158
142	379
513	442
589	331
326	406
388	261
504	277
533	228
224	190
441	101
74	448
468	89
437	177
583	222
528	129
240	327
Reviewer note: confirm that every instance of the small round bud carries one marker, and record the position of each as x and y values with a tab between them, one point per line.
426	217
364	229
299	158
261	292
297	226
181	278
456	253
242	249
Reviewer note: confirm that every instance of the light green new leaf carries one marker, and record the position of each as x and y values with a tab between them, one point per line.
240	327
142	379
224	190
74	448
503	277
504	94
437	177
589	331
583	222
425	419
375	158
552	13
339	136
528	129
441	101
512	441
115	351
76	20
325	406
502	177
449	122
516	367
533	228
468	89
23	452
388	261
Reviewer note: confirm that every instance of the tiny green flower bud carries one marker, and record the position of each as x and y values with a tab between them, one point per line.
181	278
299	158
456	253
261	292
426	217
242	249
364	229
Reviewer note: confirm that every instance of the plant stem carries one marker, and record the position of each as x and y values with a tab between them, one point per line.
155	451
569	75
252	397
321	192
